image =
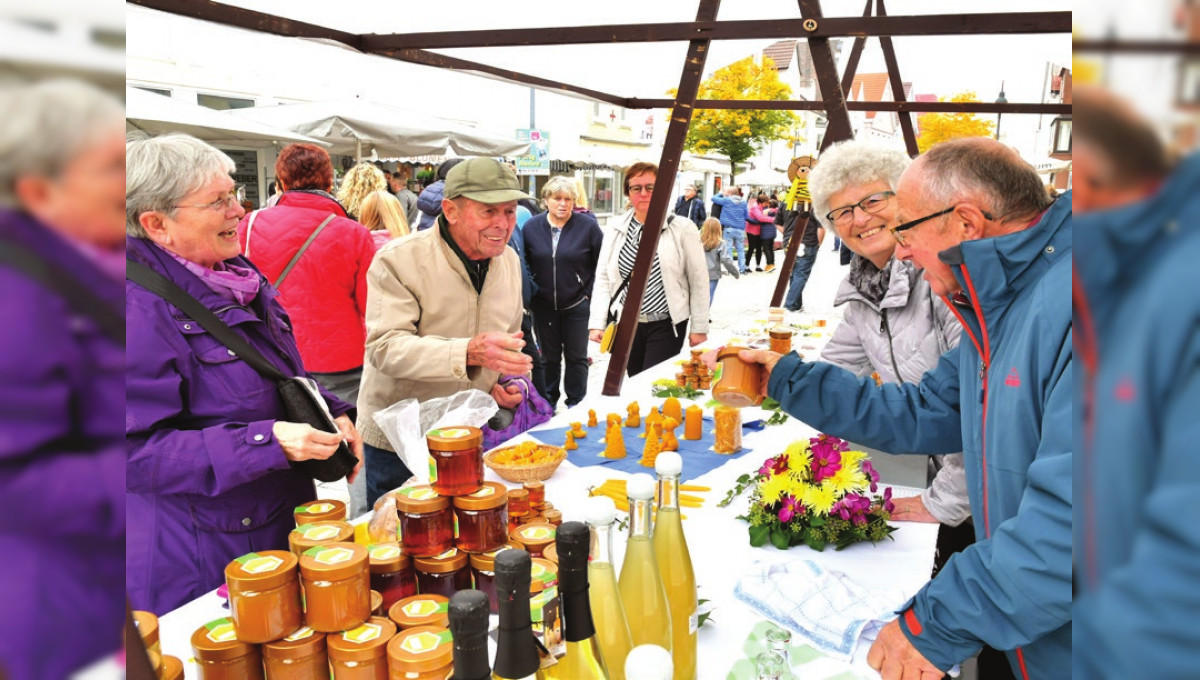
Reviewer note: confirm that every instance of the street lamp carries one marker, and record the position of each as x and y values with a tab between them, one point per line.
1000	100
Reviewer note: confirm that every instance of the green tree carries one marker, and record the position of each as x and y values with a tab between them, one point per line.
738	134
939	127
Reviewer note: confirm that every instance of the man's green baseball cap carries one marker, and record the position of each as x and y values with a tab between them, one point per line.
484	180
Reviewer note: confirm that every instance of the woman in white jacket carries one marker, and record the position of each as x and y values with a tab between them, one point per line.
677	289
893	326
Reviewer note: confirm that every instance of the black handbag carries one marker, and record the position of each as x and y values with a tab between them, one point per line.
302	401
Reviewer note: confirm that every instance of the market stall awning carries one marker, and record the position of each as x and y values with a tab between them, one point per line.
356	127
762	177
158	114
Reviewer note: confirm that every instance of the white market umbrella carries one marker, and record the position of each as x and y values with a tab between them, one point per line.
158	114
762	177
356	127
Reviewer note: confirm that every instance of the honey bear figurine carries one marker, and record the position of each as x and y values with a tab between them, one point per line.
669	441
635	418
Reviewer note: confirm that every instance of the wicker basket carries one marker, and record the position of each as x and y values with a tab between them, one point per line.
527	473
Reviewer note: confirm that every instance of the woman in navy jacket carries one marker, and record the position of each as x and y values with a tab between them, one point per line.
562	247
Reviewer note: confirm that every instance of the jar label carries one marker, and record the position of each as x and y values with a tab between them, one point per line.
316	508
301	634
253	563
221	630
450	433
537	533
418	608
319	533
425	642
418	493
364	633
484	492
330	555
385	551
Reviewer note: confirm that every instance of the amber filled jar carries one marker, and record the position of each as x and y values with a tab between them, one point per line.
445	574
553	516
337	586
482	518
391	573
518	503
781	340
329	510
426	522
457	454
535	537
308	536
740	381
147	626
421	653
421	610
361	652
172	668
221	656
377	604
299	656
264	595
537	493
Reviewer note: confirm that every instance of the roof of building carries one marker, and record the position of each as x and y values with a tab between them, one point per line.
781	53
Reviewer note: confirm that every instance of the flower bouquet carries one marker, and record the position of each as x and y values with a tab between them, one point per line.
816	493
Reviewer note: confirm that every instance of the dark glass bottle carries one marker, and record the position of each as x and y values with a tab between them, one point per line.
469	626
516	647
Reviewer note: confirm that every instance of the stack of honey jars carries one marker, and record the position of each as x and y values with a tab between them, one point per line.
528	505
695	373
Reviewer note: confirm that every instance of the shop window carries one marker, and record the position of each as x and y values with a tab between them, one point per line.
600	186
220	103
1062	135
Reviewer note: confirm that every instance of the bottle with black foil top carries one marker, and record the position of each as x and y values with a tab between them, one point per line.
516	647
469	626
583	659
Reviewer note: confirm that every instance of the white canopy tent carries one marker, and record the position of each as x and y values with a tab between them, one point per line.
762	177
158	114
359	127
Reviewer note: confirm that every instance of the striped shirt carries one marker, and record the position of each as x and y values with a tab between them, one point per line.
654	301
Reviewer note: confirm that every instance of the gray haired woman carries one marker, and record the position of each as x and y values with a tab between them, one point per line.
893	325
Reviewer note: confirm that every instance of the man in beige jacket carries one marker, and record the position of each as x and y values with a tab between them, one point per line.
444	310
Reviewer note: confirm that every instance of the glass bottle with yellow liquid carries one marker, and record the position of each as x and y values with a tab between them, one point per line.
640	584
583	659
675	566
612	628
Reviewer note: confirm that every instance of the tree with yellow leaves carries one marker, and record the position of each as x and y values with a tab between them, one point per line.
738	134
939	127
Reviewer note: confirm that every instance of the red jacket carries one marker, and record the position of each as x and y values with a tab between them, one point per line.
326	292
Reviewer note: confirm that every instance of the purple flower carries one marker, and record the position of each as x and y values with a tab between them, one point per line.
888	505
791	508
869	471
853	507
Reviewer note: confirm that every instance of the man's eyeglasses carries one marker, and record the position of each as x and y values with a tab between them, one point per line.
639	189
871	204
909	225
222	204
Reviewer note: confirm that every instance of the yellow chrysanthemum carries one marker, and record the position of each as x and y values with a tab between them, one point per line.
820	499
799	459
853	459
847	479
774	488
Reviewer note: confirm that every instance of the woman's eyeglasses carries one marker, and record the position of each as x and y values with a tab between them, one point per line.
871	204
222	204
639	189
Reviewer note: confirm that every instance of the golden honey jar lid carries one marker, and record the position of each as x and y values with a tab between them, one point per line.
451	560
261	570
147	626
454	438
333	562
306	536
387	557
217	641
362	643
421	649
490	495
419	499
301	643
428	609
327	510
536	535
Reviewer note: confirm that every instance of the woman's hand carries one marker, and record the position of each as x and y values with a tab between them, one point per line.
696	338
301	441
354	439
595	334
507	396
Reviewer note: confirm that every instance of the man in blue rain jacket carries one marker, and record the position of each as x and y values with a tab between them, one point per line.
977	220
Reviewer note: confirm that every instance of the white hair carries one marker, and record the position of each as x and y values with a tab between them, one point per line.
160	171
44	126
852	162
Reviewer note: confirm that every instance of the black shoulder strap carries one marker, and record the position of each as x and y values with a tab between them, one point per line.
79	298
166	289
296	258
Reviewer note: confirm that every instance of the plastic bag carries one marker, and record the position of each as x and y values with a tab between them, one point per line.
406	422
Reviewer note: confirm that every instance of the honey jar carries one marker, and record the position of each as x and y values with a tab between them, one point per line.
329	510
518	503
147	626
421	610
377	604
220	655
553	516
535	537
781	340
308	536
457	454
740	381
391	573
483	570
551	552
337	586
537	493
482	518
299	656
172	668
426	522
361	652
444	575
264	595
421	653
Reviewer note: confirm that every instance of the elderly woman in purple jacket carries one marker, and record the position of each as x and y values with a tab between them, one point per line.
208	450
62	464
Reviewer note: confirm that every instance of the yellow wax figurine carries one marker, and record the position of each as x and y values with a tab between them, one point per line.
669	442
635	418
652	419
615	441
578	431
591	417
652	449
672	409
570	445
